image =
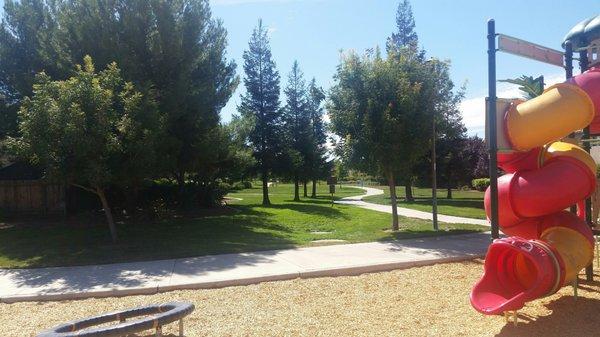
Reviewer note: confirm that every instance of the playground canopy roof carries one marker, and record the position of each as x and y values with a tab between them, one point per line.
584	33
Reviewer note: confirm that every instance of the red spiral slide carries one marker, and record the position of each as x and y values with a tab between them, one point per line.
548	244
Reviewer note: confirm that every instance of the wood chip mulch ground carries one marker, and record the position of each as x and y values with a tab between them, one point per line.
425	301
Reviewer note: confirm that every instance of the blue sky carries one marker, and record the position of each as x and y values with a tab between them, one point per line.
314	31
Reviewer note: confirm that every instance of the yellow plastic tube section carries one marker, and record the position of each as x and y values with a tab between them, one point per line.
562	149
574	249
551	116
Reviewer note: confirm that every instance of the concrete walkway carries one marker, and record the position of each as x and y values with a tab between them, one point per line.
234	269
407	212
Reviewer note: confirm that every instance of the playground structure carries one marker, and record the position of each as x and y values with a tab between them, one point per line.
151	317
546	172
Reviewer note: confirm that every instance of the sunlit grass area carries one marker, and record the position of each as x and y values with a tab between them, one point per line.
467	204
244	225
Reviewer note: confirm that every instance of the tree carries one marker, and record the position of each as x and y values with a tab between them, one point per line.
242	161
477	155
381	108
530	87
460	160
452	163
28	45
405	36
450	130
173	50
296	126
317	164
8	119
90	130
261	102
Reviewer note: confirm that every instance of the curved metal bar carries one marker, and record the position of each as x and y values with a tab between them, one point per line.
159	315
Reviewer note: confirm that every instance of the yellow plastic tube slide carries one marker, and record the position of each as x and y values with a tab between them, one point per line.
551	116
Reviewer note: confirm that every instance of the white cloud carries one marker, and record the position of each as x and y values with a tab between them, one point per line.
271	30
473	109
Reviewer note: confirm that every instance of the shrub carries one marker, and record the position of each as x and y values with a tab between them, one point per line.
481	184
167	194
241	185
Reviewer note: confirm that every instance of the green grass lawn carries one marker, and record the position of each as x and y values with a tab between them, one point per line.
467	204
245	226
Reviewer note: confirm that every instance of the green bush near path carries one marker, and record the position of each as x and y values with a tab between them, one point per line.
481	184
243	226
468	204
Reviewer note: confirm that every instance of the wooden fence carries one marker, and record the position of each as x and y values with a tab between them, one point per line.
31	197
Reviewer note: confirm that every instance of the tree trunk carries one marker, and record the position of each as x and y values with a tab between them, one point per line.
394	201
305	189
180	177
131	199
314	188
265	189
449	192
408	191
108	213
296	189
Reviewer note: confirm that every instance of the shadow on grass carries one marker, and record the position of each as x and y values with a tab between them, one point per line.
413	233
71	246
318	206
472	203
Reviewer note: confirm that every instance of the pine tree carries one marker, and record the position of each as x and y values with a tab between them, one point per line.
405	36
297	127
317	165
405	43
261	103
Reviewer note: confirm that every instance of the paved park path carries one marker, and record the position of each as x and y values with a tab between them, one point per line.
407	212
234	269
136	278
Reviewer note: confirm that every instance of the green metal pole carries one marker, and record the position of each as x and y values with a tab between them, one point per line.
583	65
434	178
492	141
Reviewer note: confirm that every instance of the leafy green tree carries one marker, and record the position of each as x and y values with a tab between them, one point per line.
172	50
8	119
317	164
530	87
242	162
92	130
297	128
261	103
174	47
380	107
450	130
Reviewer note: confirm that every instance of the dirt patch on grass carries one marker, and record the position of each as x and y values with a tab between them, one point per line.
425	301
